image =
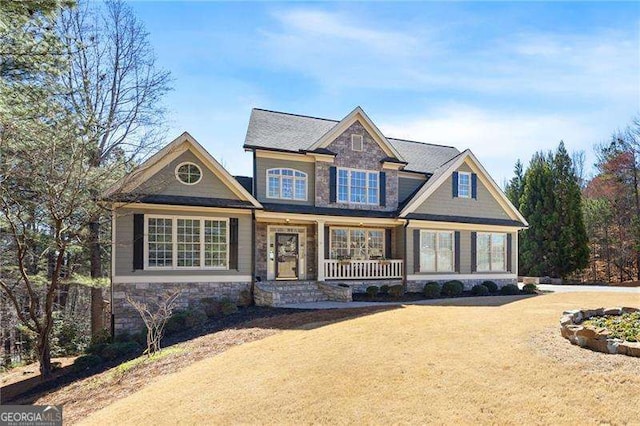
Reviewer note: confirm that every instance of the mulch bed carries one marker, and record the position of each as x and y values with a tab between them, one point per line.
413	297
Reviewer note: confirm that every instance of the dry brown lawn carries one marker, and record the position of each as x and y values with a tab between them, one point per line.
500	364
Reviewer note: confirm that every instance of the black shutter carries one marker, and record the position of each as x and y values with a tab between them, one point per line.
416	250
474	237
387	243
474	186
327	243
454	184
456	248
509	249
332	184
138	241
383	189
233	243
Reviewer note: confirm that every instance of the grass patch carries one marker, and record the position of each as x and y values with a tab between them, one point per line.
125	367
625	326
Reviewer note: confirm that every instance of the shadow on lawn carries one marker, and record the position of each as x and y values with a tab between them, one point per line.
479	301
29	390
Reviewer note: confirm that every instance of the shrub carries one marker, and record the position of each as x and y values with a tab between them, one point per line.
245	299
195	318
384	289
480	290
98	342
452	288
530	288
491	286
184	320
372	291
396	290
86	362
431	290
70	334
211	307
509	290
119	350
228	307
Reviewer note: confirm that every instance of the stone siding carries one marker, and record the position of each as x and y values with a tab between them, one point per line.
367	159
417	286
335	292
127	319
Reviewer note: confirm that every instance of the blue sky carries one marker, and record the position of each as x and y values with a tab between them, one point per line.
504	79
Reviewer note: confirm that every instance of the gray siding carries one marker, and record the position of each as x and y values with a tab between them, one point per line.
442	202
124	244
165	182
407	186
465	252
263	164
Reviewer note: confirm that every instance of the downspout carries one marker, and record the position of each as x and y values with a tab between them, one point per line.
253	250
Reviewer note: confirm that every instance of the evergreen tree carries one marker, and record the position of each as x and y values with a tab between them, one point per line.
515	187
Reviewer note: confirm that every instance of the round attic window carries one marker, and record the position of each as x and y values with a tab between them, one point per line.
188	173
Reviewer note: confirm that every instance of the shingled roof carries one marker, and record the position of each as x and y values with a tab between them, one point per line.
273	130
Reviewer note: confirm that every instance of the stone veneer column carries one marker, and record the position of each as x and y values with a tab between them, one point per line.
321	243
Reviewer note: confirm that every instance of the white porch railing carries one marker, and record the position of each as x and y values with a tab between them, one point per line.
362	269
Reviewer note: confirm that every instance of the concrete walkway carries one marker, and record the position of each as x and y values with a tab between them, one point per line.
544	287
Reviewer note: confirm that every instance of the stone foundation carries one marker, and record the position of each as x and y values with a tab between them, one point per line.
598	340
336	292
127	319
418	286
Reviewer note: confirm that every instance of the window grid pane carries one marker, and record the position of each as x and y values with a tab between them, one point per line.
375	246
160	242
339	244
215	243
358	187
343	186
188	242
286	184
463	185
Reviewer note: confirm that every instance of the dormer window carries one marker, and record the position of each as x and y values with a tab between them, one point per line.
286	184
357	142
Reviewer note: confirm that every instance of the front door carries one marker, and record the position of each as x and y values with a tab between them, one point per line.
286	256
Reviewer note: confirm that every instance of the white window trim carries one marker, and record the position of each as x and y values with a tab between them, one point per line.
189	163
174	243
490	253
468	174
353	140
366	191
293	192
348	229
453	249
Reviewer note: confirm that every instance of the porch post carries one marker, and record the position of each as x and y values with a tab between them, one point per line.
320	251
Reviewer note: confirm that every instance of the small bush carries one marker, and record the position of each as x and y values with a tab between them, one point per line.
86	362
211	307
372	291
195	318
452	288
431	290
491	286
184	320
119	350
530	288
245	299
228	307
509	290
480	290
384	289
396	290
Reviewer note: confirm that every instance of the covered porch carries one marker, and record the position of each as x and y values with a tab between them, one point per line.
328	248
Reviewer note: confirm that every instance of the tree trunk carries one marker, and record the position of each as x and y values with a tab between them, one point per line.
96	272
44	352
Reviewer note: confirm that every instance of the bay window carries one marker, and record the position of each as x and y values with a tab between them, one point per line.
436	251
185	242
491	252
358	186
357	243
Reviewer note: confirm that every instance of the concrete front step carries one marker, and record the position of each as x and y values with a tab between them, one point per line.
278	293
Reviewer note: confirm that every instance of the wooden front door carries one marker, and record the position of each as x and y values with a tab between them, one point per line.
286	256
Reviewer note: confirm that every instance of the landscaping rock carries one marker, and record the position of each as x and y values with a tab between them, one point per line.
612	311
629	348
629	310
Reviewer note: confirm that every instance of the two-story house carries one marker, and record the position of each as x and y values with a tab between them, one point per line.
332	207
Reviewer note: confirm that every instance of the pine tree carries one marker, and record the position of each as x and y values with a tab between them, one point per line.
515	187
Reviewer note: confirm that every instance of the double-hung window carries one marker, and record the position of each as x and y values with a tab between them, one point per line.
185	242
436	251
286	184
491	252
358	186
464	184
357	243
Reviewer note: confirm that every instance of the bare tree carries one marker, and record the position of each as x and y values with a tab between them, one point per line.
115	89
155	318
